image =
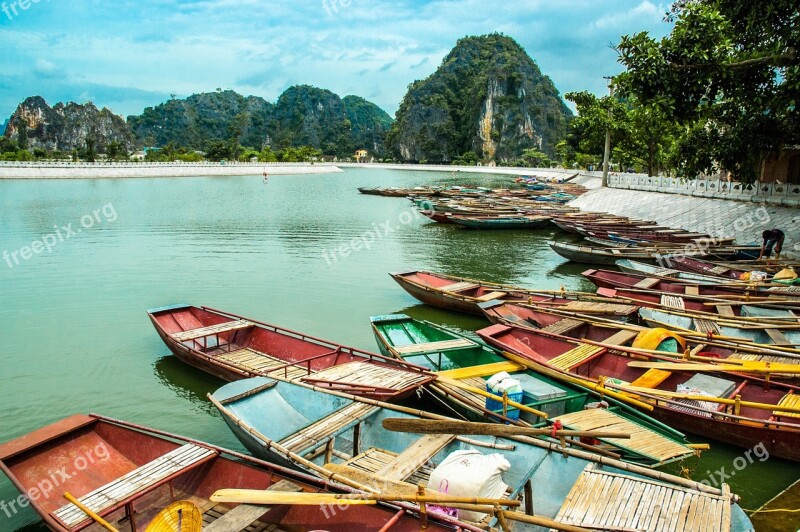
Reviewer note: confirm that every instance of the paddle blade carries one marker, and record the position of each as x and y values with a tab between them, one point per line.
274	498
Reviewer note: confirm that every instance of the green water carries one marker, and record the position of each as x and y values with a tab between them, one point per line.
75	336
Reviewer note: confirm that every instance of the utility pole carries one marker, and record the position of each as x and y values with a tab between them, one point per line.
607	152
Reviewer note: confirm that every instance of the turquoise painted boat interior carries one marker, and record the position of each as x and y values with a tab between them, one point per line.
552	474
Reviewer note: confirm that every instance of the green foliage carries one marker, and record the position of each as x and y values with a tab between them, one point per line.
469	158
170	153
641	135
88	152
115	151
267	156
728	74
443	115
300	155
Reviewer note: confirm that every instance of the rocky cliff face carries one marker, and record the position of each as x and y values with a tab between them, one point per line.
65	127
488	96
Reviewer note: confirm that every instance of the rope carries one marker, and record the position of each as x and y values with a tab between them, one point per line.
785	510
556	427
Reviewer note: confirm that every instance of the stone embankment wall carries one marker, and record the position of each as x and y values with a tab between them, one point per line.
144	170
743	220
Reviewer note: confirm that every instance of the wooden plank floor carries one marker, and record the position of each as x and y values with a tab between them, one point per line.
606	501
262	364
366	374
373	459
643	441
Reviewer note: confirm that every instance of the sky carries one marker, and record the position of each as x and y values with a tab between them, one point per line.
127	55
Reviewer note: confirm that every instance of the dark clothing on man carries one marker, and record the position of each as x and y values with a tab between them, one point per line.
772	238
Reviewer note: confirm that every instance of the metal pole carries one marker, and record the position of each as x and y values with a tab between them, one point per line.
607	152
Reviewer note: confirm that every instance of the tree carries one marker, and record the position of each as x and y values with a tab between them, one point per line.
534	158
728	73
116	151
267	156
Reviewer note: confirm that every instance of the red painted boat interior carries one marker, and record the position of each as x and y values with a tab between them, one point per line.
278	343
542	349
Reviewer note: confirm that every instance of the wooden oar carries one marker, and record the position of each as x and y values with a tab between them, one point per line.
97	519
430	426
270	498
789	369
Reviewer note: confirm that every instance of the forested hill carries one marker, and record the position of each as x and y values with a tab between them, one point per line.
488	97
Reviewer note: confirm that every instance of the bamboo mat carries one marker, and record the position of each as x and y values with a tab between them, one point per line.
263	364
643	441
211	330
366	374
610	501
326	427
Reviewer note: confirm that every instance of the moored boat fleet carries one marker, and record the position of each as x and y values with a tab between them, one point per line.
555	416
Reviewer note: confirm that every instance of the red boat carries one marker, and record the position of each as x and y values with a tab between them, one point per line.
437	216
609	279
736	410
127	474
466	295
572	326
232	347
689	264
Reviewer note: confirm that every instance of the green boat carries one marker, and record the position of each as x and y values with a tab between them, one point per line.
465	366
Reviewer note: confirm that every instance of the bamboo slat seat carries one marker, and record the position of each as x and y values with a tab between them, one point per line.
324	428
790	400
692	290
193	334
459	287
563	326
492	295
415	456
647	282
665	272
620	337
610	501
374	459
575	357
363	374
777	337
643	441
726	311
706	326
592	307
674	302
148	475
717	270
244	515
434	347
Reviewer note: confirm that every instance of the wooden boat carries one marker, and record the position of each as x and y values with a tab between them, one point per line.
735	409
127	474
763	310
344	436
714	270
465	295
779	335
641	268
691	343
606	256
232	347
436	216
610	279
502	222
464	366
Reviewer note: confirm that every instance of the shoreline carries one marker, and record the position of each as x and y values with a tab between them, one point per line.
65	170
70	170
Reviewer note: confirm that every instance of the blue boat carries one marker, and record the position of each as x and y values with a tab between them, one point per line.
340	435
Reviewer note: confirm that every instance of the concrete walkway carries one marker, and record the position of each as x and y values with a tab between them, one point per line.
150	170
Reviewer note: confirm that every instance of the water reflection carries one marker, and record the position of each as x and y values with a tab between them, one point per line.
187	383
